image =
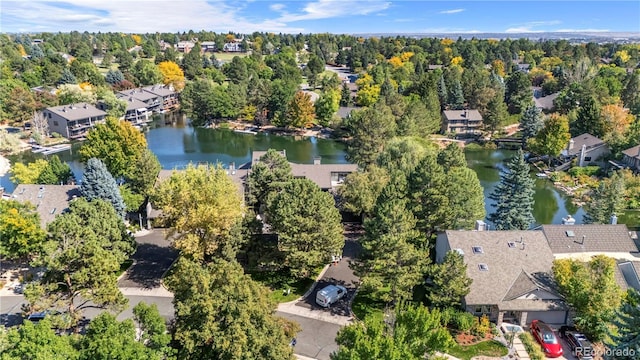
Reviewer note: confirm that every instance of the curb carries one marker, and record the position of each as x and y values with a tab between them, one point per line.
313	286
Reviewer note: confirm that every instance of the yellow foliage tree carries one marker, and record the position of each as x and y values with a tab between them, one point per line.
368	95
229	38
137	39
406	56
364	80
301	112
21	50
395	61
86	86
172	74
457	61
617	121
498	67
446	42
623	56
549	63
27	173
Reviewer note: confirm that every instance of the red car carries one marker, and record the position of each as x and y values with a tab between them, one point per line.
547	338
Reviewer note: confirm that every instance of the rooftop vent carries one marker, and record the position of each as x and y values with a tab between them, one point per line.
459	251
483	267
477	250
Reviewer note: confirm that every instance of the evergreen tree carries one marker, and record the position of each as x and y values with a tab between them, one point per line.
267	178
98	183
67	78
449	281
451	156
627	328
345	96
589	119
370	128
456	97
513	196
443	93
518	95
496	113
56	172
393	259
114	77
531	123
192	63
606	200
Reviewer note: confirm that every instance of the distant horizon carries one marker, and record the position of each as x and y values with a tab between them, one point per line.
352	17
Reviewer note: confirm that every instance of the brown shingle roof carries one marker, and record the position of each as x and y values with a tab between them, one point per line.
76	111
633	152
587	140
49	200
512	271
597	238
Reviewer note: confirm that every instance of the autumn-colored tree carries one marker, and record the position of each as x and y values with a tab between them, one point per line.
172	74
617	120
137	39
20	230
300	112
497	66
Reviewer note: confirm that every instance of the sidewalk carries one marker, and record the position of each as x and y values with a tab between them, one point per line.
159	291
318	314
520	349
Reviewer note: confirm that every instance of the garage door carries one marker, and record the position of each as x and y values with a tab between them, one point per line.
550	317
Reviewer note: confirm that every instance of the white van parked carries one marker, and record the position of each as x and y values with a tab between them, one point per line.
330	295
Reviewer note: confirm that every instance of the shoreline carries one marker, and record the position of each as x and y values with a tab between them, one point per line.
5	165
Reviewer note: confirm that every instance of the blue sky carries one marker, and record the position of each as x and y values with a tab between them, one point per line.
344	16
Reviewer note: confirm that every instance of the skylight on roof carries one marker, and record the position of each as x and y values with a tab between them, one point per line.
570	233
477	250
511	244
483	267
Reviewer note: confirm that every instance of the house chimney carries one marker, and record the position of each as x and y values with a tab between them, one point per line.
614	219
232	168
317	160
480	225
570	146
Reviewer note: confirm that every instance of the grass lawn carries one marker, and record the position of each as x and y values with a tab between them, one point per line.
486	348
365	305
228	56
281	281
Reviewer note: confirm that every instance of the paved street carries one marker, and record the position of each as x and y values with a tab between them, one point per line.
317	338
152	259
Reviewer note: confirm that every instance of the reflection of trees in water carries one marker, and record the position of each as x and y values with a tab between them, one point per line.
545	206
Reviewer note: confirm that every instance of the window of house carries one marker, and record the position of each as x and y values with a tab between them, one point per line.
486	309
477	250
478	310
587	158
483	267
55	123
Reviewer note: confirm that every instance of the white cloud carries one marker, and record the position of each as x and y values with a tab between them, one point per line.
448	30
452	11
324	9
529	27
276	7
132	16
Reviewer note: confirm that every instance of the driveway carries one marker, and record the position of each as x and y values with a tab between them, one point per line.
340	274
317	340
153	257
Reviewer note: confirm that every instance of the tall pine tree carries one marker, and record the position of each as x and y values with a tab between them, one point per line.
98	183
531	123
627	325
513	197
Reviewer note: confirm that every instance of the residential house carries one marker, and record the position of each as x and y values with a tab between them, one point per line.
511	273
167	96
153	102
523	67
185	46
327	176
581	242
208	46
462	122
544	103
234	46
434	67
587	149
628	275
631	158
73	121
49	200
136	112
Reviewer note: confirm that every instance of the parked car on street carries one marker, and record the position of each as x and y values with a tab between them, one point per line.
547	338
330	294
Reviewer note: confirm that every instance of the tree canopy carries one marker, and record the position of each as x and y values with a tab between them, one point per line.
20	230
97	183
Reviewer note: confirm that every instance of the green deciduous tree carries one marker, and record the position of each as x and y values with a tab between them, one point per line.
36	341
361	189
116	108
268	176
147	73
152	327
413	333
308	226
393	262
553	137
222	313
449	281
52	172
204	210
144	173
606	200
513	196
85	249
192	63
518	93
327	105
626	335
117	143
97	183
20	230
591	290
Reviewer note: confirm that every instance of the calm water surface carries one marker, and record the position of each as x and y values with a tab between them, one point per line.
177	145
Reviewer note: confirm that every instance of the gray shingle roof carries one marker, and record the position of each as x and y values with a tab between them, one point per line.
512	271
76	111
159	90
462	115
633	152
137	94
587	140
627	274
49	200
133	103
597	238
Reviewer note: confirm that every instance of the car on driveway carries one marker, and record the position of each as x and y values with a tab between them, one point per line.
580	346
330	294
547	338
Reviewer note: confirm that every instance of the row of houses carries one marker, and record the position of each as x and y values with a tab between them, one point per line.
207	46
512	270
75	120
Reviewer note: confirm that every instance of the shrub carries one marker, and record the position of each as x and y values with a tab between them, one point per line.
531	345
447	316
484	325
464	321
584	171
